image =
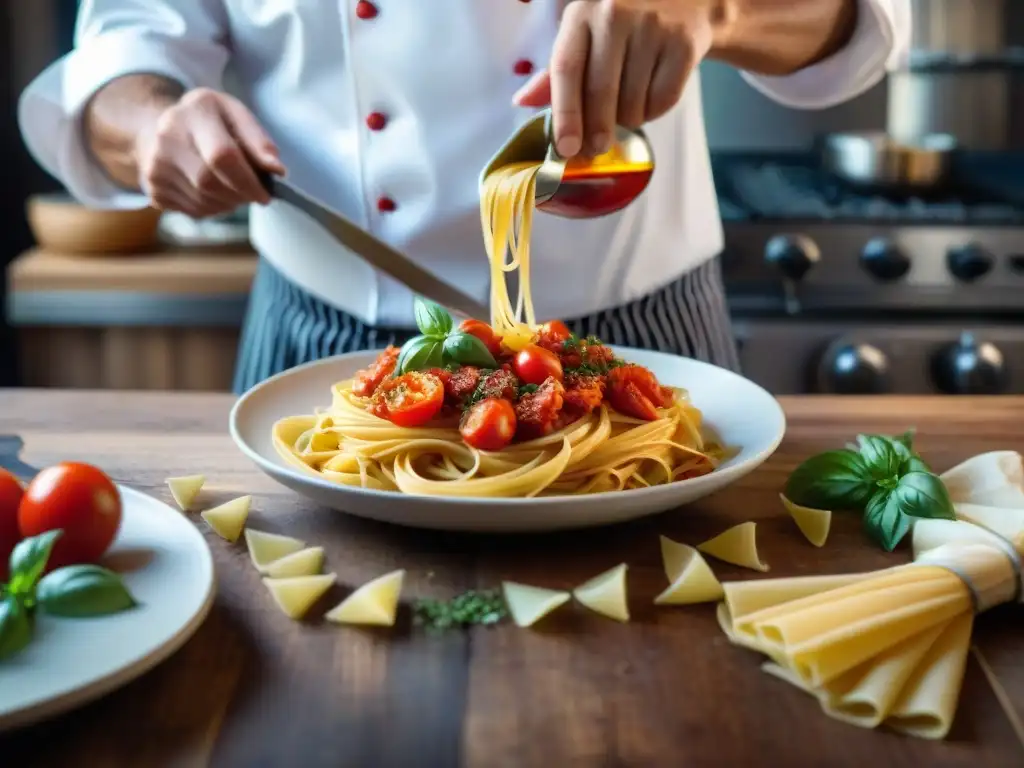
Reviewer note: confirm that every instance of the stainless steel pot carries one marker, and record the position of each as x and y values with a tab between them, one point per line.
872	159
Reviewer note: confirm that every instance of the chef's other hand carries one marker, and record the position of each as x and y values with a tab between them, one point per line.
618	61
199	157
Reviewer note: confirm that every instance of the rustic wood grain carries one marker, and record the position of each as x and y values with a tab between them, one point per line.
190	271
255	689
121	357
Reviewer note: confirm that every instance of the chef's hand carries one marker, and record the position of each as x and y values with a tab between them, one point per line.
618	61
198	158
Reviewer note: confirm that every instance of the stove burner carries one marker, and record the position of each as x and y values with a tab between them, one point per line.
796	190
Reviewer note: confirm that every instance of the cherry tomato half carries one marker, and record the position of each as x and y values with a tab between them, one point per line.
555	331
368	379
634	391
533	365
484	332
80	500
11	493
489	425
410	400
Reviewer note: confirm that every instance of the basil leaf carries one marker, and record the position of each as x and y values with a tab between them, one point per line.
831	480
881	455
15	626
28	561
884	520
915	464
432	319
83	590
922	494
467	349
907	441
418	354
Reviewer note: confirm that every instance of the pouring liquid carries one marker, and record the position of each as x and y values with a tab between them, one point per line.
599	185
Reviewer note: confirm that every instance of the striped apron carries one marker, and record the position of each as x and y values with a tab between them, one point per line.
285	326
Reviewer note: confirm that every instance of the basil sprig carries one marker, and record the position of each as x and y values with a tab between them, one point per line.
77	591
440	343
881	477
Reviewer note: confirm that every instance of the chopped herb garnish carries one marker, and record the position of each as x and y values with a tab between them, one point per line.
528	389
593	341
480	391
472	608
572	343
594	369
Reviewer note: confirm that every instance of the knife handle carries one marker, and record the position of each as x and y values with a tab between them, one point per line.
266	179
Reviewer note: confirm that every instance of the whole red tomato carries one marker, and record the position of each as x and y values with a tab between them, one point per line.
484	332
80	500
534	364
10	497
489	425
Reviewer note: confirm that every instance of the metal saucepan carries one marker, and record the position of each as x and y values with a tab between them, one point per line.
569	197
874	160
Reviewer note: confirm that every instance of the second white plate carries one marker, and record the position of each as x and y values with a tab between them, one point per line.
167	565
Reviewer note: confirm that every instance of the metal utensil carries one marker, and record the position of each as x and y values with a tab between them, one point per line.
559	193
872	159
377	253
10	458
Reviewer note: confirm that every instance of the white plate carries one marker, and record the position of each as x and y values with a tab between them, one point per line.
166	564
742	413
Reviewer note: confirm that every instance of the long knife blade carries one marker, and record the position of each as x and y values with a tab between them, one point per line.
376	252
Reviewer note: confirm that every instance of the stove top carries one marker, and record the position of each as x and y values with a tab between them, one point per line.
986	191
800	241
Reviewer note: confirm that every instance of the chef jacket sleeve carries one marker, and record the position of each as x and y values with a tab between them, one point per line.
880	43
179	39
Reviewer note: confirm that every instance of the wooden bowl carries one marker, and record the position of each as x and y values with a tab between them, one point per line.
61	225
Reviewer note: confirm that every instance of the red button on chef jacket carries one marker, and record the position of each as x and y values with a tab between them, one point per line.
365	9
385	204
376	121
523	67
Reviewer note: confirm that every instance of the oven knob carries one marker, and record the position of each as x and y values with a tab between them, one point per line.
969	262
792	255
966	367
884	259
857	369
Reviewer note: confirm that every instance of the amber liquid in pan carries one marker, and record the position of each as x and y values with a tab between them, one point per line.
598	186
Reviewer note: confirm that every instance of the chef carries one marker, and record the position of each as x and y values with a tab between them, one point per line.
387	110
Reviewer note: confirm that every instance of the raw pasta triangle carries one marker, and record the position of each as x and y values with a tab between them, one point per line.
737	545
229	518
265	548
185	489
295	596
376	602
305	562
528	605
606	594
813	523
691	579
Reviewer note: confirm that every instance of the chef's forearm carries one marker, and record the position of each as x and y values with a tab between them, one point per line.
779	37
118	114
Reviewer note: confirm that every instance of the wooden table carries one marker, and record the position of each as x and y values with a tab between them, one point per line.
253	688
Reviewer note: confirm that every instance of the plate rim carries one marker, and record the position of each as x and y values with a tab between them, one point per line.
63	703
716	477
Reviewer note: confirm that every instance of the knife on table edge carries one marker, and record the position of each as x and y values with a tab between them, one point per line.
375	252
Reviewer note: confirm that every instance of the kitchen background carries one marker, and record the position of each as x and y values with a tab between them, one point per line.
911	283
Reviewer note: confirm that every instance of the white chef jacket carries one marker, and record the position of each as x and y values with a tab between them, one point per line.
387	110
